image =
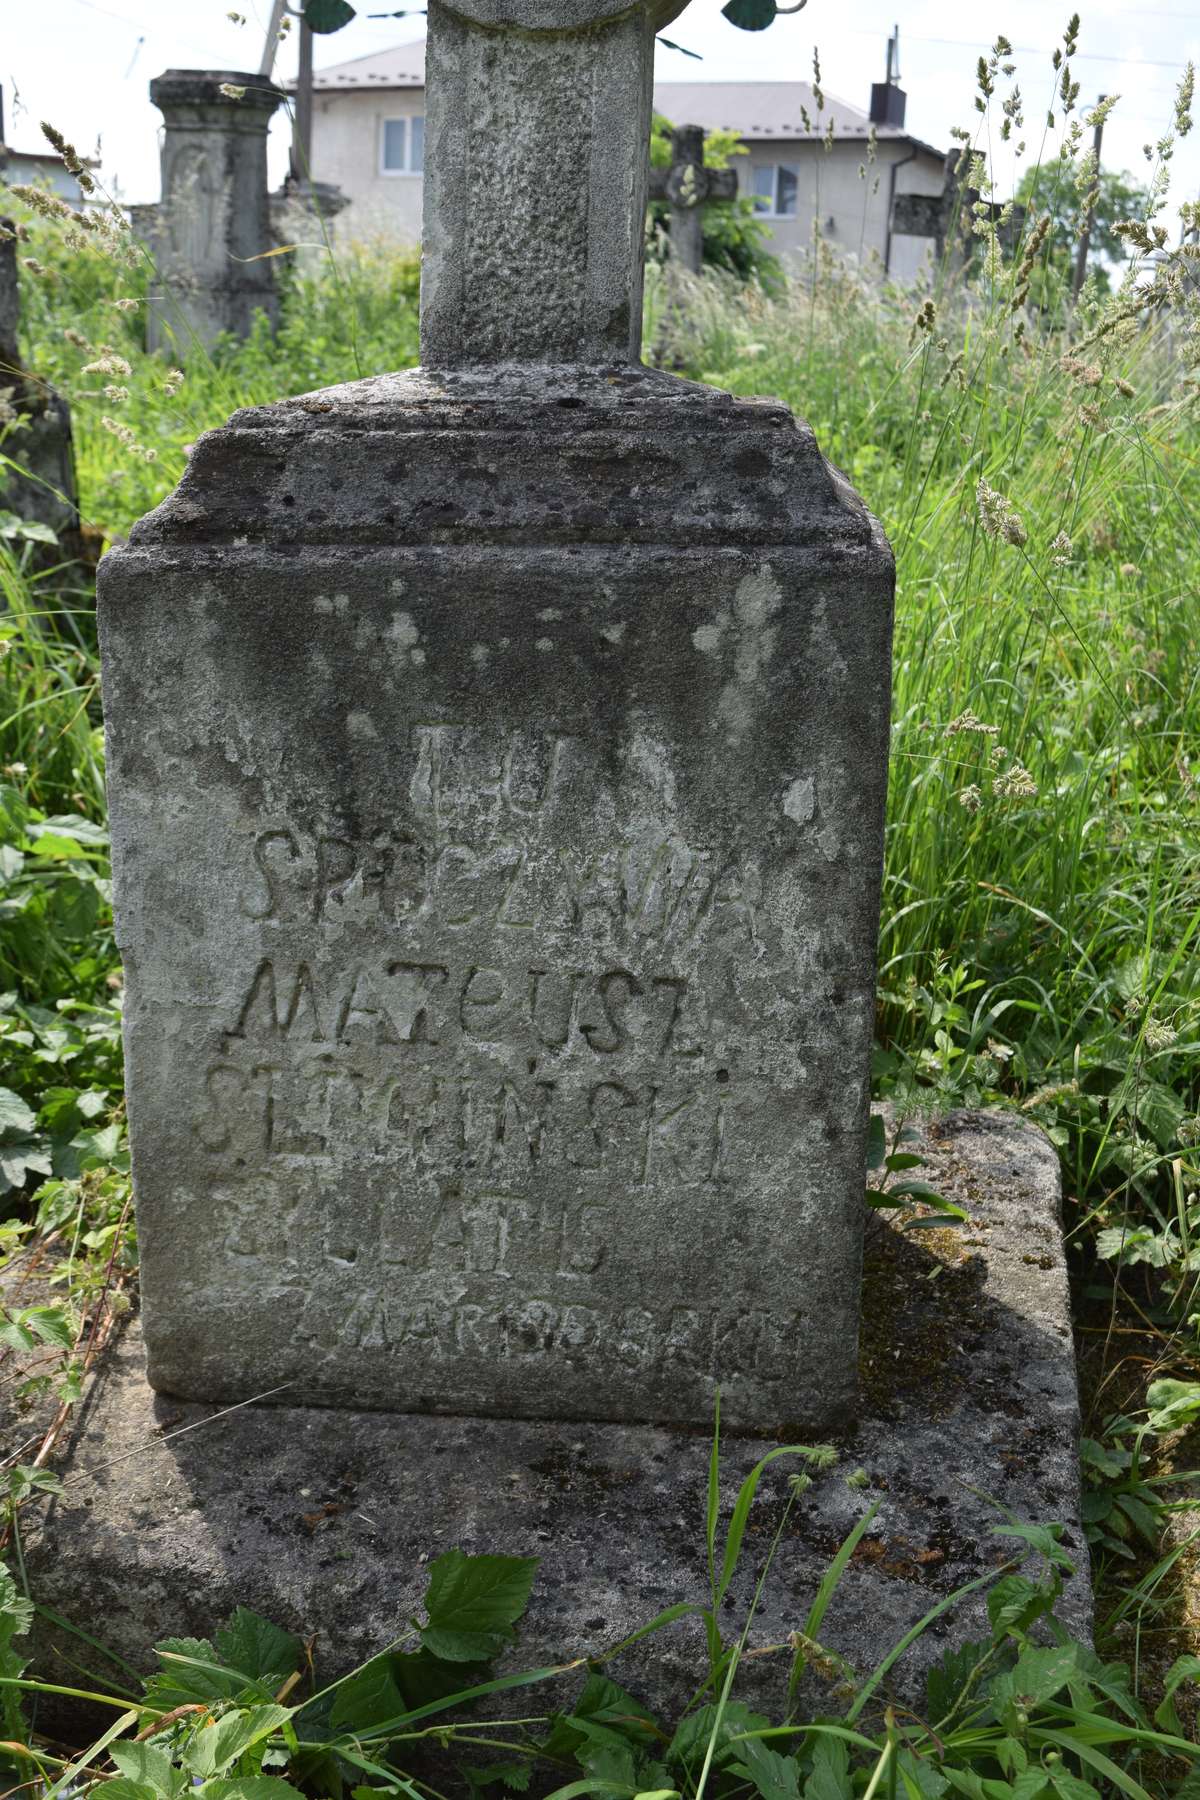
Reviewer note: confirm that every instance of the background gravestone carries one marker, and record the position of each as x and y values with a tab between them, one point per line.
41	488
214	216
686	185
497	759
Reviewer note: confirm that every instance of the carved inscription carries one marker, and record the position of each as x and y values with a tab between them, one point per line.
473	1041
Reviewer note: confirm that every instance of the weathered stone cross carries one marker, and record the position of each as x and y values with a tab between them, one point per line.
938	216
686	185
535	180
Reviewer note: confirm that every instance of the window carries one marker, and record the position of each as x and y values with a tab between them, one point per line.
402	149
774	189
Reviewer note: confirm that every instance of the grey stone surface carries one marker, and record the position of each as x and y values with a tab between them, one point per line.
42	487
537	119
496	771
686	185
323	1520
214	216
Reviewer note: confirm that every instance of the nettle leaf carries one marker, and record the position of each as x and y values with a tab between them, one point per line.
1037	1676
830	1778
949	1676
324	16
473	1602
191	1672
255	1647
750	15
14	1114
775	1777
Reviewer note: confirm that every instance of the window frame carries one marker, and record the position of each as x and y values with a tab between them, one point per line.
407	120
771	210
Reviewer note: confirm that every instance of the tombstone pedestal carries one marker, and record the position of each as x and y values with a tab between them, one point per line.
325	1522
500	994
214	217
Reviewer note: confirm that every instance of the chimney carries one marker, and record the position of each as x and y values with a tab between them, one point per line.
888	97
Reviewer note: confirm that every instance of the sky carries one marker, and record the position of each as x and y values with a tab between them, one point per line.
86	66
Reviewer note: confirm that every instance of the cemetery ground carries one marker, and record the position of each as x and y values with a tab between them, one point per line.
1041	908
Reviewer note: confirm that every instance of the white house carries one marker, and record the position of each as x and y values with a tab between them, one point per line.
369	128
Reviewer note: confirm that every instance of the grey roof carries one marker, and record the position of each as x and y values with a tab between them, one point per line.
403	67
759	111
762	109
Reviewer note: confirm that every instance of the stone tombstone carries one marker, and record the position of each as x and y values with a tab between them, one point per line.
214	217
686	185
497	757
37	477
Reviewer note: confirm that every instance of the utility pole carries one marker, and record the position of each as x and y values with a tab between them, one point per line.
302	133
1085	236
271	46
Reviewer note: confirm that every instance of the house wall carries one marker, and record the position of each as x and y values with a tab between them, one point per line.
853	212
348	149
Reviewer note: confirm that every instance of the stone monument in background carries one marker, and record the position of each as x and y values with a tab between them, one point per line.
37	479
209	232
497	757
687	187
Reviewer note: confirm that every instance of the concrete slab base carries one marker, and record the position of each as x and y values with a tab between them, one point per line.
325	1521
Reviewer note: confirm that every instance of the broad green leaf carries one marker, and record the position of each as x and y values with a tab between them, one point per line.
693	1732
190	1672
52	1324
1038	1675
14	1114
152	1768
473	1602
247	1787
1108	1460
749	15
258	1648
214	1749
775	1777
324	16
368	1698
1184	1668
74	825
54	844
921	1777
1173	1404
830	1777
122	1788
16	1335
18	1161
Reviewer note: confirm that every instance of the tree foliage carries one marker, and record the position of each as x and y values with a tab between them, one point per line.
1061	189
